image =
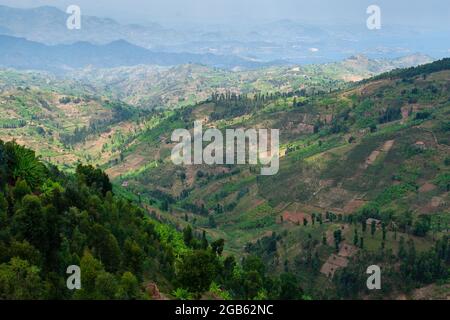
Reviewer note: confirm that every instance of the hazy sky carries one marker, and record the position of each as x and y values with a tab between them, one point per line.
433	13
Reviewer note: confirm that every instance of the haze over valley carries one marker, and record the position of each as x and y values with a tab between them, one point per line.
88	118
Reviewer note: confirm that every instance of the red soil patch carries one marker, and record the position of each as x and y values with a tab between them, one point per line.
427	187
432	292
131	162
340	260
371	159
295	217
353	205
387	145
374	155
153	291
347	250
437	202
405	112
333	263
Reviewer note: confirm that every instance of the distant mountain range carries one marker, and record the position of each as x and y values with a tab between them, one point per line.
285	40
48	25
20	53
38	39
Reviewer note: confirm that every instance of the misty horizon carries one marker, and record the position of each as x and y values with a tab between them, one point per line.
224	151
432	14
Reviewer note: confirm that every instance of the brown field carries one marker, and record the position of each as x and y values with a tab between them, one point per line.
354	205
295	217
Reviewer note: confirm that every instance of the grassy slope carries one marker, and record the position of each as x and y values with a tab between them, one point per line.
322	171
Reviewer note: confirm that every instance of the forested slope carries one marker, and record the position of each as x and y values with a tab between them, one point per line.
50	220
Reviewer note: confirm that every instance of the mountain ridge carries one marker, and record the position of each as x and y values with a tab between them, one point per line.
21	53
285	40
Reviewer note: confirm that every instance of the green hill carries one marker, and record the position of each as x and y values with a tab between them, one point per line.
363	179
377	150
50	220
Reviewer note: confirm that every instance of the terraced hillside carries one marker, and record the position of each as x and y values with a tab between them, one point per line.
364	174
363	179
62	125
82	116
165	87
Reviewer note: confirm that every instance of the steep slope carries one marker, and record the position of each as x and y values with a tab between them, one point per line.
364	178
51	220
364	169
54	223
77	117
60	124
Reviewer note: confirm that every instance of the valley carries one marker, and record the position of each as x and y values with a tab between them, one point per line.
364	166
